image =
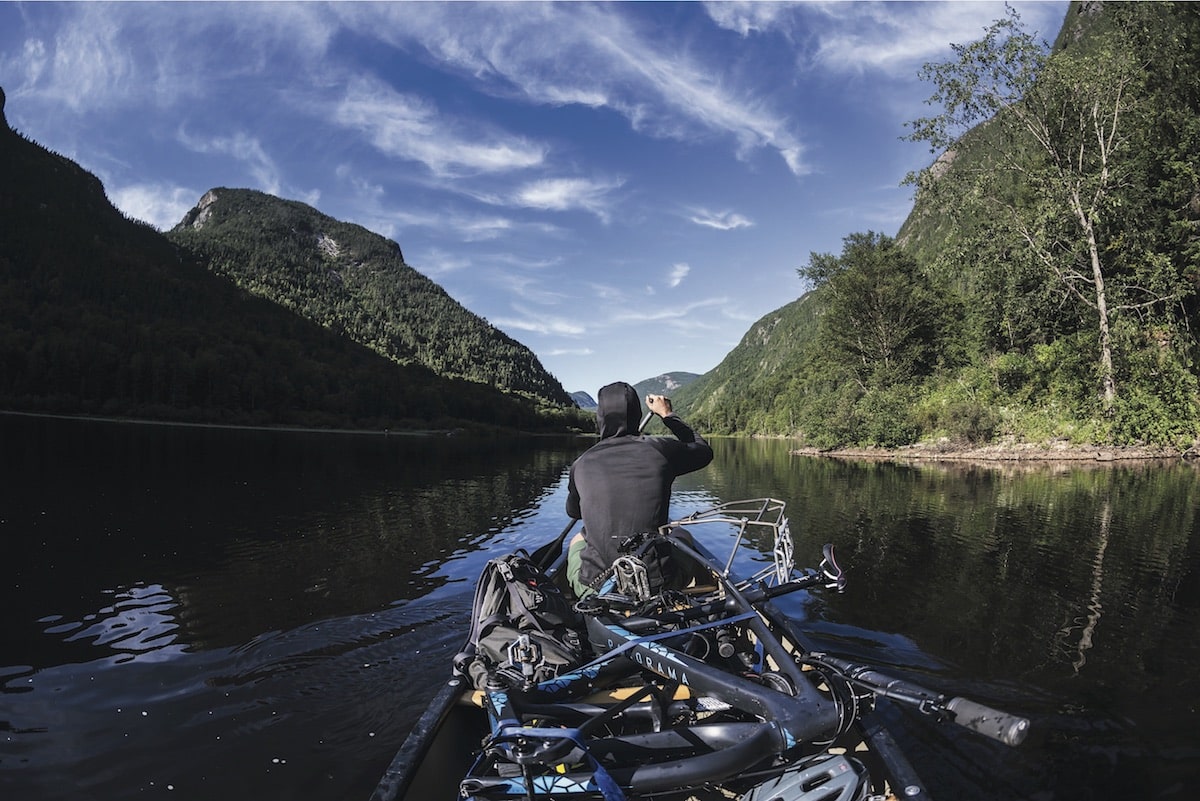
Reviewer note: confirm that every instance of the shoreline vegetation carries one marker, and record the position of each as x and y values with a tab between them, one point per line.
397	432
1009	451
286	428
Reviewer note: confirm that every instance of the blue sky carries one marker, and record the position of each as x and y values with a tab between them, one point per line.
624	188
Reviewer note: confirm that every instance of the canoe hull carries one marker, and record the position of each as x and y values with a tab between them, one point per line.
706	696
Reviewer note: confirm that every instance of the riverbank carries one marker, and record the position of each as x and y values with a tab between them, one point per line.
466	429
138	421
1057	451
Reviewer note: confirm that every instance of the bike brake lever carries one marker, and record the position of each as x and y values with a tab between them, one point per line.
832	570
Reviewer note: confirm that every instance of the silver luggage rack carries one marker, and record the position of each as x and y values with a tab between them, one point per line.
755	519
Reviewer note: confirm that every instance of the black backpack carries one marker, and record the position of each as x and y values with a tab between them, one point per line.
523	629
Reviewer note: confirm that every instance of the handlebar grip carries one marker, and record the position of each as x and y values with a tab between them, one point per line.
1001	726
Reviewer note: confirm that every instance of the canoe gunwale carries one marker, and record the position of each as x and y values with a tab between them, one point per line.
401	771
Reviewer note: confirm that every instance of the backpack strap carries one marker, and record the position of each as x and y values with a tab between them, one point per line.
518	608
484	589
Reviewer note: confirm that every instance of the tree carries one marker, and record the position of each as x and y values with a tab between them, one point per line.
883	317
1064	136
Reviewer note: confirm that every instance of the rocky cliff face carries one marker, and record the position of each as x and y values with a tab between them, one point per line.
198	216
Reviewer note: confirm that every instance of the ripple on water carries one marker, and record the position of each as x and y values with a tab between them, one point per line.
140	623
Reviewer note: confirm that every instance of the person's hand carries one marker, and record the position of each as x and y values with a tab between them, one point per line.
659	404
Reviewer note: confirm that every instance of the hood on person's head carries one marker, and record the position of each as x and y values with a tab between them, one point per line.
618	410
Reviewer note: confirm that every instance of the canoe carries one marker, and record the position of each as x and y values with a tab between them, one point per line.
704	692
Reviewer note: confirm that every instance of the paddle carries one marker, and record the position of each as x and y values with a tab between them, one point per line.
544	557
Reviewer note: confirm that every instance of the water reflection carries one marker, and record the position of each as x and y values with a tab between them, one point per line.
139	622
281	606
247	531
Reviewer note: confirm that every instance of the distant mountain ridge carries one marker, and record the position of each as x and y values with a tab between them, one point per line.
665	384
355	283
584	401
741	393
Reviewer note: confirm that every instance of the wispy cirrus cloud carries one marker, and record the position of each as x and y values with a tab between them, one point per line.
437	263
244	148
721	220
161	206
677	274
538	322
746	16
110	56
684	318
606	292
84	64
566	194
861	37
464	226
588	55
871	36
410	127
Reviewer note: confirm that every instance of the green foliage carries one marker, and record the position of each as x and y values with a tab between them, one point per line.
1063	173
971	423
958	417
355	283
829	418
886	417
1046	275
1161	403
100	315
884	319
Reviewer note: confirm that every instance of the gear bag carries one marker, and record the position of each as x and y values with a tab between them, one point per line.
651	556
523	629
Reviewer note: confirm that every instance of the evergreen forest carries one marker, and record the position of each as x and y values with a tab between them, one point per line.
356	284
103	315
1043	287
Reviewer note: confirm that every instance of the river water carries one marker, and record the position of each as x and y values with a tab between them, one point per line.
195	613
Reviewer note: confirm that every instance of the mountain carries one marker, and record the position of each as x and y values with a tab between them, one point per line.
583	400
665	384
355	283
103	315
740	395
1054	319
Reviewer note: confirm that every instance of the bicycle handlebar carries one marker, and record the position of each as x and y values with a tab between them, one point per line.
1000	726
992	723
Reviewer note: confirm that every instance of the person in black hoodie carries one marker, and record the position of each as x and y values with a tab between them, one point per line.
622	485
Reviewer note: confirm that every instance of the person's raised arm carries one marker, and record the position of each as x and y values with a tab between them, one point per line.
661	406
697	453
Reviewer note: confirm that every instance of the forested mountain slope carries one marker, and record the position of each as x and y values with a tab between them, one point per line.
355	283
103	315
742	394
1044	286
666	384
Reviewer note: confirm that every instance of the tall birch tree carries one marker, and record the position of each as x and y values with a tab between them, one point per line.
1061	131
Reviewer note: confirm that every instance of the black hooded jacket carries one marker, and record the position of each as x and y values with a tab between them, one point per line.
622	484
